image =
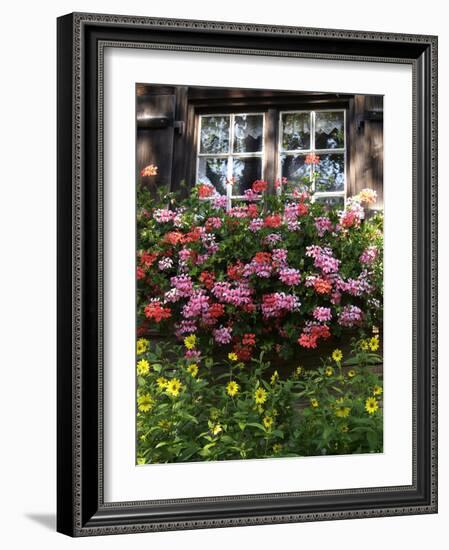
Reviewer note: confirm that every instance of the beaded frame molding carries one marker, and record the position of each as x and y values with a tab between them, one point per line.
82	37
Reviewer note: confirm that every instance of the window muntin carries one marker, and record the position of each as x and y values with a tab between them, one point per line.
320	132
230	151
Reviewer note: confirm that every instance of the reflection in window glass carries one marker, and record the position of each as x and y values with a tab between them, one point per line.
329	130
295	169
330	201
214	171
245	171
214	136
295	128
330	173
248	133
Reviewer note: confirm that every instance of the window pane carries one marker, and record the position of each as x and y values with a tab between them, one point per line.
295	131
245	172
329	130
330	173
248	133
338	201
297	172
213	171
214	134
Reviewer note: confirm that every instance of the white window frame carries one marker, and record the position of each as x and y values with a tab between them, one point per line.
230	155
318	152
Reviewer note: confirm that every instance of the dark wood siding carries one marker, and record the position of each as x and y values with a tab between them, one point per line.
170	143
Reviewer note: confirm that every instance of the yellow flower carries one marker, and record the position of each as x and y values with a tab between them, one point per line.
162	382
143	367
299	370
232	388
141	460
337	355
145	402
374	343
329	371
351	373
340	410
277	448
260	396
314	403
193	369
364	345
164	424
344	428
142	345
267	422
377	390
216	429
190	341
371	405
173	387
232	356
274	377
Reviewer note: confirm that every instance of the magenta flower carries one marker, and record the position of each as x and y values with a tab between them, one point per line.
350	316
223	335
322	314
290	276
368	255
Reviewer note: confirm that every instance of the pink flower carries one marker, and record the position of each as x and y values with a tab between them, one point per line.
197	305
323	258
256	224
183	284
223	335
273	305
350	316
165	263
163	215
322	225
322	314
368	255
290	276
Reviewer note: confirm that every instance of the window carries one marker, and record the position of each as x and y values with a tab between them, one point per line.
230	151
320	133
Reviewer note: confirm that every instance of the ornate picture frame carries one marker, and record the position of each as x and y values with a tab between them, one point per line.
82	509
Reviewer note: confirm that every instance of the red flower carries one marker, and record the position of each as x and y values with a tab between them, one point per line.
259	186
307	341
154	310
216	310
252	211
262	258
173	237
249	339
147	259
243	352
235	272
303	209
322	286
249	308
273	221
207	278
205	191
311	158
192	236
140	274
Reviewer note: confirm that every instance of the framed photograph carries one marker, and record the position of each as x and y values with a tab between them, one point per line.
246	274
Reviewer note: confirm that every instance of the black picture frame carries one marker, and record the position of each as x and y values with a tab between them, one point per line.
81	510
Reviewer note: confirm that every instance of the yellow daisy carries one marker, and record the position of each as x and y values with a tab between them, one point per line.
190	341
232	388
141	460
145	402
274	377
267	422
216	429
143	367
314	403
329	371
193	369
344	428
377	390
142	345
260	396
351	373
337	355
277	448
340	410
371	405
162	382
173	387
374	343
232	356
364	345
